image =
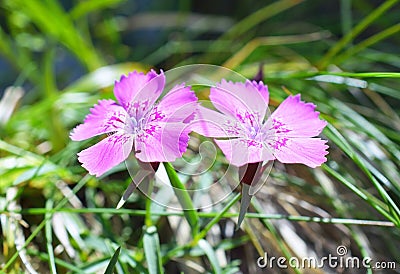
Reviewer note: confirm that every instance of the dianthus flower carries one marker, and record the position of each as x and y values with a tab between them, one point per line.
155	131
248	137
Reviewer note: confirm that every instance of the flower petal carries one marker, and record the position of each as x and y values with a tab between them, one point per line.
162	142
308	151
137	92
176	106
104	117
244	101
263	90
295	118
211	123
106	154
241	151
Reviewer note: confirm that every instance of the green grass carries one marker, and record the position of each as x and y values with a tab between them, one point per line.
352	77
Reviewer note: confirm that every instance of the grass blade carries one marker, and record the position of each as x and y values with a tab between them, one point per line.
49	238
368	42
334	135
113	262
216	219
259	16
355	32
362	194
151	245
184	199
204	231
253	20
85	7
210	253
35	232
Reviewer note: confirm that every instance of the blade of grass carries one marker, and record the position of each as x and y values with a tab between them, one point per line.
307	74
339	140
148	221
18	57
151	244
35	159
367	43
51	19
257	17
395	93
134	212
95	266
215	220
381	57
374	133
251	21
113	262
362	194
361	243
49	237
36	231
346	16
210	253
378	12
245	51
203	232
45	257
85	7
367	127
57	133
184	199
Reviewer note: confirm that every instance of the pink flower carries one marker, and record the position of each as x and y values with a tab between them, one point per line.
250	141
157	132
245	136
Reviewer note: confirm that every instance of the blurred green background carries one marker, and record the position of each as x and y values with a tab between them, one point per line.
57	58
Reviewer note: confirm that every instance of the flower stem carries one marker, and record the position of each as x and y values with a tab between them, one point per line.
148	221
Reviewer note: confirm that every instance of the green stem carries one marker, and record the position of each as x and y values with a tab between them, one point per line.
148	222
138	212
184	199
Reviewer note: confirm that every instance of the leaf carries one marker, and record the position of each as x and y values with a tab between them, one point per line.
210	253
49	238
360	27
82	8
183	198
50	18
151	245
339	140
140	175
113	262
244	204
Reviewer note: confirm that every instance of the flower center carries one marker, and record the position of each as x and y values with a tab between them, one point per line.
253	131
134	126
